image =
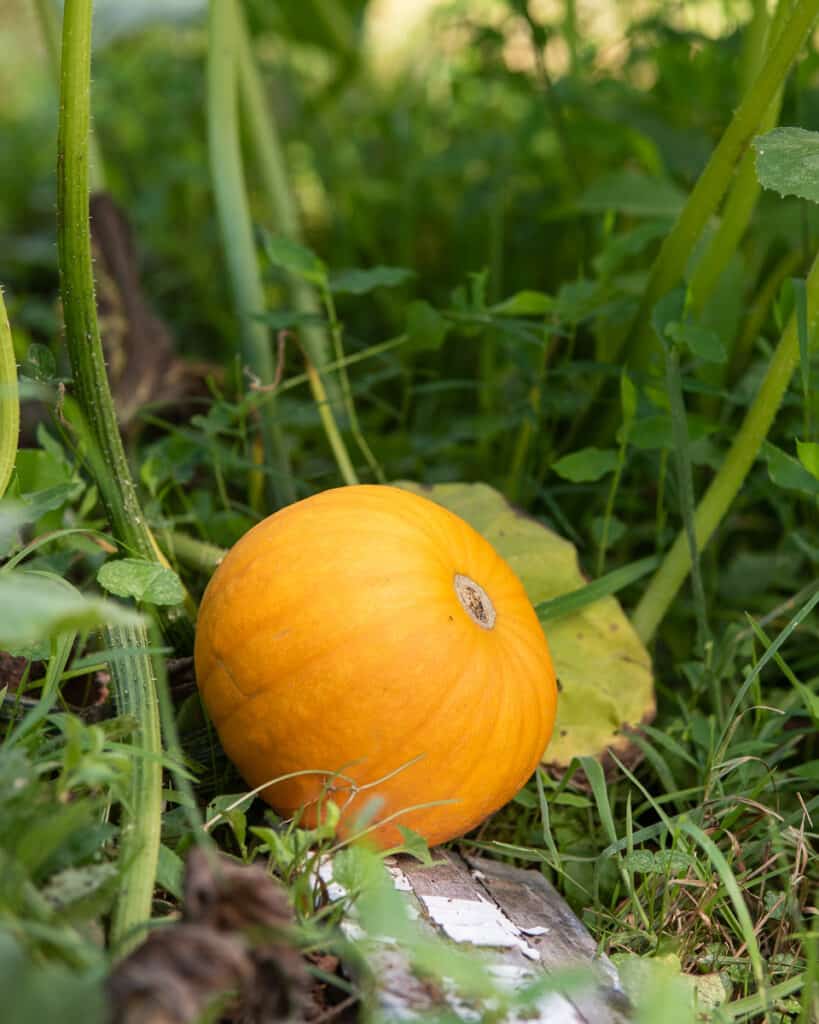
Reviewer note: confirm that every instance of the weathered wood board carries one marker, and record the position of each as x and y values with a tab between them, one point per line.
518	920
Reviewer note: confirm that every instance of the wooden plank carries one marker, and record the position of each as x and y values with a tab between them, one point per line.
519	922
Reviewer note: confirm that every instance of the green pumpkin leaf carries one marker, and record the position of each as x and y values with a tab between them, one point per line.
786	161
142	580
605	674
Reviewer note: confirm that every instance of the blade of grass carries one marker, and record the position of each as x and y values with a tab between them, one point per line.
597	781
716	501
734	893
568	604
9	401
233	211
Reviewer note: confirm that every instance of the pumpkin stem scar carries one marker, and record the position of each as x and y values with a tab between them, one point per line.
475	601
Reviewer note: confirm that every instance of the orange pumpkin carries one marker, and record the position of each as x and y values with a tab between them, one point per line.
369	632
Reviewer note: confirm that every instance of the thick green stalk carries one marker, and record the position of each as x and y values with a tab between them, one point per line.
716	501
50	31
135	689
742	199
670	264
111	469
135	693
9	401
227	174
272	167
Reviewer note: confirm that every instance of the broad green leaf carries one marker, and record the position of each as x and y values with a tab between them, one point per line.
704	343
787	161
606	682
359	282
426	328
298	259
586	465
525	303
788	472
808	453
34	607
142	580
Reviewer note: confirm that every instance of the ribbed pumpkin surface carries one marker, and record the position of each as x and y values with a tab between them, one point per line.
336	636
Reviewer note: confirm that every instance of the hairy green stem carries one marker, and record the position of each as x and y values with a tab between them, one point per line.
671	261
113	475
9	401
135	694
134	679
716	501
50	31
233	211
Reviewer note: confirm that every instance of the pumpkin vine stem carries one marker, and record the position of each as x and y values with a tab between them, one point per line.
95	418
109	463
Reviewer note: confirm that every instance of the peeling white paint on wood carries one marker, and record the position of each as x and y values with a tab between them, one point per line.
477	922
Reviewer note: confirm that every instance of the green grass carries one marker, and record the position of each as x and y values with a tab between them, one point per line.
460	271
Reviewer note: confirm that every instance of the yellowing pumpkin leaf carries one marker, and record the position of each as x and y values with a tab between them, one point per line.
604	671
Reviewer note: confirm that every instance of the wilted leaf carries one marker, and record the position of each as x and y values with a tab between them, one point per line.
35	606
604	671
787	161
586	465
359	282
142	580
